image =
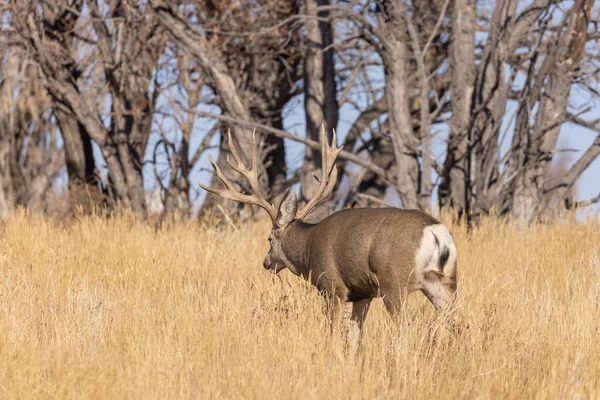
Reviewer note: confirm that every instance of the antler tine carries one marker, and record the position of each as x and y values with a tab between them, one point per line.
234	152
332	153
251	175
329	172
230	193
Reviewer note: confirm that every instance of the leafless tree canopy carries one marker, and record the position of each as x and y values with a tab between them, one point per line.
450	103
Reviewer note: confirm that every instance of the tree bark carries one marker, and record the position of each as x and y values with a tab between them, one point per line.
557	191
78	150
453	191
79	158
6	185
425	182
212	62
320	101
84	190
395	59
561	61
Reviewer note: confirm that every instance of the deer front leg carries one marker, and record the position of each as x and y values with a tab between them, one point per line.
359	313
335	294
335	308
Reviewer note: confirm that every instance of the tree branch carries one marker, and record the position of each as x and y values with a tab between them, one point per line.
344	155
580	165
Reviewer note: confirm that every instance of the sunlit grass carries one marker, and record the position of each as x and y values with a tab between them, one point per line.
116	309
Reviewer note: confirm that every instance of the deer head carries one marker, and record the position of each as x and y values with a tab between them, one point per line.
288	211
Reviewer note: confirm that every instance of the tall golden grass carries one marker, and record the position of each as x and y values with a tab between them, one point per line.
115	309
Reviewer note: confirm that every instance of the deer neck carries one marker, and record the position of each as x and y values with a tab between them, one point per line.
295	245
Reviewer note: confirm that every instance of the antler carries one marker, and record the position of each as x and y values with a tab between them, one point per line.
251	175
328	173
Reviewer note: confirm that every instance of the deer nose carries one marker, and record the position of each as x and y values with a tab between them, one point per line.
267	262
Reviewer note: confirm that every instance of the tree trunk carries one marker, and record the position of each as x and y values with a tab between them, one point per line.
453	189
83	181
395	59
78	150
275	162
129	152
6	186
320	101
563	58
371	184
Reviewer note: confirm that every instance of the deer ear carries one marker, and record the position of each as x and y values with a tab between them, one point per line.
318	214
287	208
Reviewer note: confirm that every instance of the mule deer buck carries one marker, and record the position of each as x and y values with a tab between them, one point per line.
352	255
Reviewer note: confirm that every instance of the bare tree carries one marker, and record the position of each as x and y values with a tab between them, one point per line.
452	191
543	44
533	147
395	56
320	103
58	25
175	179
448	95
29	154
120	45
224	47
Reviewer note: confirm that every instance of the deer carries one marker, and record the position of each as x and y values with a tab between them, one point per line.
353	255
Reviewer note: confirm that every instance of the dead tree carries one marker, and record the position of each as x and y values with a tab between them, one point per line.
175	180
544	45
29	154
58	25
531	195
320	103
120	48
251	62
452	190
395	56
437	76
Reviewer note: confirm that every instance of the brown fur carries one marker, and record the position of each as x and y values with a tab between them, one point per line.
359	254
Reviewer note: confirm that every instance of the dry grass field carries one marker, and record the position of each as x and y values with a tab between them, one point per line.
115	309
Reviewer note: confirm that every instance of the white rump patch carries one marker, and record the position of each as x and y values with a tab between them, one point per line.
435	239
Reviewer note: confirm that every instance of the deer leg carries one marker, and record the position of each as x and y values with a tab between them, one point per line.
438	291
335	308
393	299
335	301
359	313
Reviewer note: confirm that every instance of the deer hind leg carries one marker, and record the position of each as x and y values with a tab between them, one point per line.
359	314
439	288
393	300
